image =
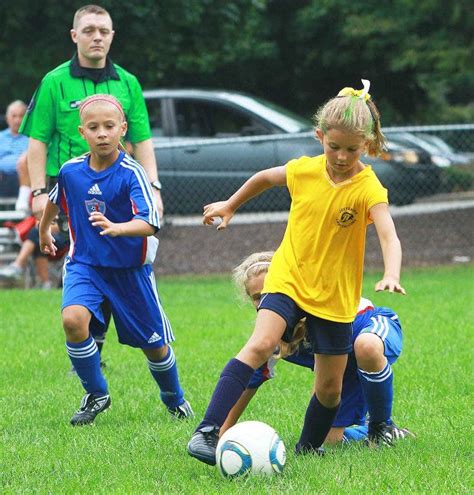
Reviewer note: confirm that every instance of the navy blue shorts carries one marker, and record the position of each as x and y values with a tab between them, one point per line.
325	336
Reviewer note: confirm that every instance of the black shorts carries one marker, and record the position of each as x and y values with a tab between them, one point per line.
325	336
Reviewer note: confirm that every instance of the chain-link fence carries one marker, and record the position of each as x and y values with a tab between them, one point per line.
433	210
419	162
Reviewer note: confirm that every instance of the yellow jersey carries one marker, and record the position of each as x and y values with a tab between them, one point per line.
320	261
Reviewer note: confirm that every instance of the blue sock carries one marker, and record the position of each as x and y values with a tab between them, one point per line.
165	373
355	433
317	423
378	392
232	382
85	358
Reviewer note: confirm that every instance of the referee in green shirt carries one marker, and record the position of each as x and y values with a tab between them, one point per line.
52	118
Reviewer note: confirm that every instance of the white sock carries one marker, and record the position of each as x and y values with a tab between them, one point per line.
24	193
23	200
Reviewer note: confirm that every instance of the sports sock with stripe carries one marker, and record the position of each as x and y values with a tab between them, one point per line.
85	358
378	391
165	373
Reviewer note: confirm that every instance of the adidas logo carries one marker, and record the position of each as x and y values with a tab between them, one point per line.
154	338
94	190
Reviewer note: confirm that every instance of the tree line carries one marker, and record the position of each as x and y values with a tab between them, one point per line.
298	53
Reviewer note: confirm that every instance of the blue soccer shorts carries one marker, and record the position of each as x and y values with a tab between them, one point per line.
353	409
138	315
325	336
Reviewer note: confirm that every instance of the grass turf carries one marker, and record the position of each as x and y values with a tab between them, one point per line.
137	448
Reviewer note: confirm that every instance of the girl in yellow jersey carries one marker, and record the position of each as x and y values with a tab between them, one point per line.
317	270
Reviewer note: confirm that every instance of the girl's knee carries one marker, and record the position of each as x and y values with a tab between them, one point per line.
369	351
329	393
156	354
256	352
263	347
75	324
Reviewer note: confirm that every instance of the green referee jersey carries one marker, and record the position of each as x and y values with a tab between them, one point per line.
53	114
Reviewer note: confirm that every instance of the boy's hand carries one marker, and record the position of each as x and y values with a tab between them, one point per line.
220	209
97	219
390	284
47	241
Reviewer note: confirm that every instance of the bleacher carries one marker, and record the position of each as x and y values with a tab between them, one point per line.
9	242
10	245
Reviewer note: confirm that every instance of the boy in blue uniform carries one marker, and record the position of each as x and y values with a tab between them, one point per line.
368	379
112	218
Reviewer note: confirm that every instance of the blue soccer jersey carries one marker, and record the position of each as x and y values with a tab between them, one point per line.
122	193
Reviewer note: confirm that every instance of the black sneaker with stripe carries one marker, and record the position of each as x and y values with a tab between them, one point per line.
386	434
183	411
91	406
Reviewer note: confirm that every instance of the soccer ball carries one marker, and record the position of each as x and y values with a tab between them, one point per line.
250	447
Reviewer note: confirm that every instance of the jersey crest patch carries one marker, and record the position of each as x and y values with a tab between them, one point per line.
93	205
346	217
75	103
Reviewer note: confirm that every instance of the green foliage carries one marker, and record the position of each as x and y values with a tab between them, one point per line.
295	52
136	448
457	178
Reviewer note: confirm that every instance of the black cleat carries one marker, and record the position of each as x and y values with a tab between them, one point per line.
385	434
183	411
305	449
91	406
203	444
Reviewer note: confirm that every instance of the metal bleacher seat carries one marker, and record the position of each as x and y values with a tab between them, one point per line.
9	241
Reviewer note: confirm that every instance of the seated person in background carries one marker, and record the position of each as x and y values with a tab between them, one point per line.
30	248
12	147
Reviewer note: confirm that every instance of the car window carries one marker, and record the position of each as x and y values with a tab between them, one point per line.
155	115
207	119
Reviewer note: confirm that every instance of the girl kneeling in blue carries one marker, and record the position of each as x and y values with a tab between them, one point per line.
368	380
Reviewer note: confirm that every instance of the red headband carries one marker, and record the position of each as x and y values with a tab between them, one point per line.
106	98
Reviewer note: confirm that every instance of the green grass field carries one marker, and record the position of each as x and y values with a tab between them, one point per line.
136	448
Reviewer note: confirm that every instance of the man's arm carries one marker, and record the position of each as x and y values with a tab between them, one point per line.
144	153
36	161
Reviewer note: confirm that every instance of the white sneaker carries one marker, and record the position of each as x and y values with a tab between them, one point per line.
10	272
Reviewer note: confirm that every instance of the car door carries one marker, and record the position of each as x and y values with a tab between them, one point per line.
212	154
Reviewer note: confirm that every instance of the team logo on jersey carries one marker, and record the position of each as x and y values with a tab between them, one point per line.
93	205
75	103
346	217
